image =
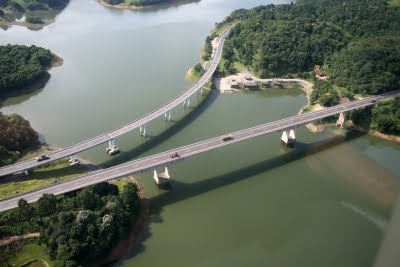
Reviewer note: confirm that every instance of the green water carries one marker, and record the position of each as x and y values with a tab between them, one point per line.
254	203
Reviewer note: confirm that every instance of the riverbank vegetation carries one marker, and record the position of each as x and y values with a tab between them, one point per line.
351	46
33	10
138	3
22	67
16	136
77	228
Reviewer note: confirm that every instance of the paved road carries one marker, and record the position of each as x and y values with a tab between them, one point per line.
29	164
164	158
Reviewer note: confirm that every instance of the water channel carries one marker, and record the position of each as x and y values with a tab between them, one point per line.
325	203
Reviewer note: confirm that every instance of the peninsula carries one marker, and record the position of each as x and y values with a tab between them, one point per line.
33	14
136	4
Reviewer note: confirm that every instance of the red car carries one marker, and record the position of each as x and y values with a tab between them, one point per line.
175	155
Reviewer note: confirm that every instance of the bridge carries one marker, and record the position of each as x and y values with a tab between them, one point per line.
183	98
164	158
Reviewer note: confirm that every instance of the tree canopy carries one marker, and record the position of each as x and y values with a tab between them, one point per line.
21	66
356	41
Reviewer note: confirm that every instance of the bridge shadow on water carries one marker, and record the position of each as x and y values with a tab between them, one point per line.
181	191
154	140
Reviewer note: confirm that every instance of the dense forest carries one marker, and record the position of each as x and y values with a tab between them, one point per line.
356	43
78	228
33	5
16	135
21	66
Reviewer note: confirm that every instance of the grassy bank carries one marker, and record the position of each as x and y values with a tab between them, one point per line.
29	253
51	173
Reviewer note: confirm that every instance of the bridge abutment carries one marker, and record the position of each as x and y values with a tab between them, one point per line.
341	121
162	179
112	149
288	138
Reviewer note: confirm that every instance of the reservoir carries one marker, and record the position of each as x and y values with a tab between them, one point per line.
326	202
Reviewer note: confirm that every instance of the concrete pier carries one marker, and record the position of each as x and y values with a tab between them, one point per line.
341	120
288	139
162	179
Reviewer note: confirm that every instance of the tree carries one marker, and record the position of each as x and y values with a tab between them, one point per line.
24	208
47	204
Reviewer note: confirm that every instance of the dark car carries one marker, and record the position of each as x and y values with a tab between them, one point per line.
227	138
373	101
175	155
42	157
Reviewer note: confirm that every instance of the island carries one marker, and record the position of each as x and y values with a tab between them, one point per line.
136	4
346	49
32	14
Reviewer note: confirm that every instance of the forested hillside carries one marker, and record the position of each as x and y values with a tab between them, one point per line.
32	5
78	228
16	135
356	42
22	66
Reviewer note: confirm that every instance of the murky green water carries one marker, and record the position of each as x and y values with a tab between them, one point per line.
325	203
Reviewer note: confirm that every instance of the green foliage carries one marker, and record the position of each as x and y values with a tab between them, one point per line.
368	66
357	41
21	66
386	117
207	49
325	94
79	227
16	135
34	20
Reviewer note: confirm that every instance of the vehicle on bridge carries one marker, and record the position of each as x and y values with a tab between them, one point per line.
174	155
42	157
227	138
373	101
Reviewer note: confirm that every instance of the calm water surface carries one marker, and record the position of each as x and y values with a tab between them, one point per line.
325	203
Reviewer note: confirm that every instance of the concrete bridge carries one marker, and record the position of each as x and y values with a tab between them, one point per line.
165	110
164	159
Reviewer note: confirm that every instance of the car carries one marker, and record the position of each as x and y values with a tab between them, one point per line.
174	155
42	157
373	100
227	138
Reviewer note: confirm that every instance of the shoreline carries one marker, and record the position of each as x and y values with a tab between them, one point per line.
133	7
307	87
27	25
39	83
135	234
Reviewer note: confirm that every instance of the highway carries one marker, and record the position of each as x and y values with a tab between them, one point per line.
164	158
103	138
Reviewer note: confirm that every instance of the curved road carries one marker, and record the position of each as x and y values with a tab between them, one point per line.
72	150
164	158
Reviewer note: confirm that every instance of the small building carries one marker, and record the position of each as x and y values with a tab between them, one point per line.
234	84
252	85
319	74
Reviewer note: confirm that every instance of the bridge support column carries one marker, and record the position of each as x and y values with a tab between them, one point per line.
186	103
162	178
200	92
27	172
143	131
73	160
112	148
288	139
341	120
167	116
